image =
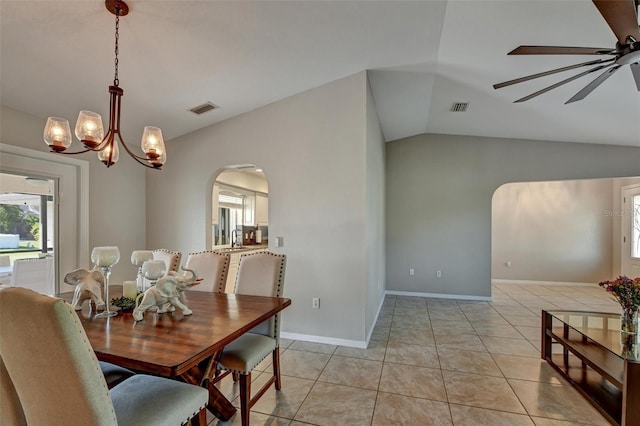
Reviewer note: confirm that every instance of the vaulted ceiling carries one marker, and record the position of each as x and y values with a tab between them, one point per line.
422	56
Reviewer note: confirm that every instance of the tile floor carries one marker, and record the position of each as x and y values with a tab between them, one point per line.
434	362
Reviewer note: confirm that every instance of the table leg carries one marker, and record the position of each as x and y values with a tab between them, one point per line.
218	404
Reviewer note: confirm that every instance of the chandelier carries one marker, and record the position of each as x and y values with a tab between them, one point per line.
89	128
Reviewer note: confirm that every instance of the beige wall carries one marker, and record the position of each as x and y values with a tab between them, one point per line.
374	223
438	199
312	148
553	231
116	195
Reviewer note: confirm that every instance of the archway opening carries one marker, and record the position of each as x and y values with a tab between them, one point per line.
240	208
560	232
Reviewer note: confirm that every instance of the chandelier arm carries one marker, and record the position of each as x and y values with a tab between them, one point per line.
100	147
114	123
104	143
133	155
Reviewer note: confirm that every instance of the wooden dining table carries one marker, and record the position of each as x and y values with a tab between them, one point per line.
178	346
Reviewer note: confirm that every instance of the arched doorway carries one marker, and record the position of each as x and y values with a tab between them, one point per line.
240	208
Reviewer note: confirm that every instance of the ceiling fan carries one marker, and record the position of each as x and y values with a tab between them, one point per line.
622	18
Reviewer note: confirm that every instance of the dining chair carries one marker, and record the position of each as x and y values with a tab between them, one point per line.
10	408
114	374
171	258
62	383
259	274
212	267
34	273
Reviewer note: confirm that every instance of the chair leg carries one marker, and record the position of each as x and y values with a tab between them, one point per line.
200	419
245	397
236	376
276	367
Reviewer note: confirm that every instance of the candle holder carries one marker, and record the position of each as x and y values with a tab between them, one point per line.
138	257
105	258
153	270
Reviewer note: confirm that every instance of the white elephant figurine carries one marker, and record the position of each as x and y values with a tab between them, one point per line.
165	294
89	286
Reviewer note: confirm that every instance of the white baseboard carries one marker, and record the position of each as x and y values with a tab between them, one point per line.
438	295
375	321
531	282
334	341
322	339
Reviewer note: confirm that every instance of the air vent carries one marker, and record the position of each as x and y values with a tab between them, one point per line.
459	107
201	109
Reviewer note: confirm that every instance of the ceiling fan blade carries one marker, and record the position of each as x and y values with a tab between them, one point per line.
635	70
561	50
621	16
592	86
545	73
553	86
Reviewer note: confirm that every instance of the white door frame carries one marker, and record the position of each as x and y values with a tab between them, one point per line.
71	247
626	262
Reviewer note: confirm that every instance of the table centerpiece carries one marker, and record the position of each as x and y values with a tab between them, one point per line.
626	291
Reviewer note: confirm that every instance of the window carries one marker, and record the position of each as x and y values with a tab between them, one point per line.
635	227
26	216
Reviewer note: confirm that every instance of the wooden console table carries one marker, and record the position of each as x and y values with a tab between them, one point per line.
585	348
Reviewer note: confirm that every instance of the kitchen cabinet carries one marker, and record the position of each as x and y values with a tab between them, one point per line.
262	210
214	204
249	207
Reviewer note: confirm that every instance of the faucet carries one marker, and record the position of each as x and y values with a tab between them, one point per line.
234	239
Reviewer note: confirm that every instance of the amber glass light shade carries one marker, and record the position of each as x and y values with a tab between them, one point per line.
57	134
89	129
152	145
104	154
159	162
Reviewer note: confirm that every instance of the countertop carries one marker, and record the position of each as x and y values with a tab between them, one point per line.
249	247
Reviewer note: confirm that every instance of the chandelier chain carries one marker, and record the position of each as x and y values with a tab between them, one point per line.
116	80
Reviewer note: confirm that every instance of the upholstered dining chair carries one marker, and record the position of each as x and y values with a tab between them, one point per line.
10	408
34	273
171	258
114	374
62	383
212	267
259	274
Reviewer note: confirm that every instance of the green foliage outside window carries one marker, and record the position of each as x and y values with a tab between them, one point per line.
13	220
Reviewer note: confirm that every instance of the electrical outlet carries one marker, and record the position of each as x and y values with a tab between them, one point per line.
411	271
315	303
438	274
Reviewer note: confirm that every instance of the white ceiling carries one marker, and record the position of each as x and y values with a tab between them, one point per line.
57	58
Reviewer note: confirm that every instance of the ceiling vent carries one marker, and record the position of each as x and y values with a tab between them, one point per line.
206	107
459	107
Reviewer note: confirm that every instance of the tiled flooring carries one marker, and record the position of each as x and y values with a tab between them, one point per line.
434	362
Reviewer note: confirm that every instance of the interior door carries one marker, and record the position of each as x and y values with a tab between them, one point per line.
631	231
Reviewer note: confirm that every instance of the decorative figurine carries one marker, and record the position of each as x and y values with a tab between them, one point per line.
165	294
89	285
